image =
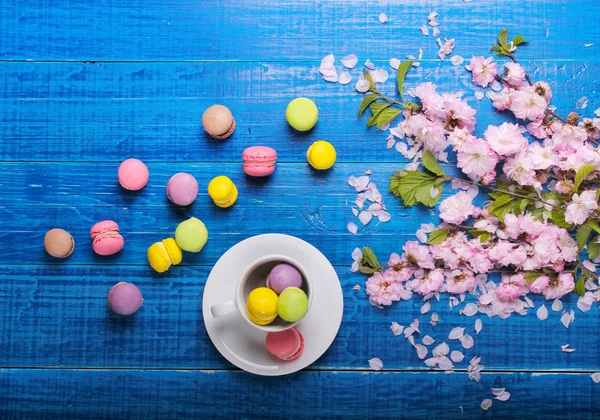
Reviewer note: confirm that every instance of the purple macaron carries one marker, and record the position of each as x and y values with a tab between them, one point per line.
283	276
182	189
125	298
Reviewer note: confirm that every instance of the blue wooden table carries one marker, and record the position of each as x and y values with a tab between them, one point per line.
86	84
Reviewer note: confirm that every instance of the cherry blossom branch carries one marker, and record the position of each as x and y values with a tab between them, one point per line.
503	80
512	57
555	115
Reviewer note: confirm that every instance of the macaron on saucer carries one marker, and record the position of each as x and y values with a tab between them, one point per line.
243	345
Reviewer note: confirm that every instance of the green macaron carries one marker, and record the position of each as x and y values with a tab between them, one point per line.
191	235
292	304
302	114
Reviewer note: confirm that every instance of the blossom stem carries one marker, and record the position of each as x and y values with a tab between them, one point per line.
514	194
503	80
555	115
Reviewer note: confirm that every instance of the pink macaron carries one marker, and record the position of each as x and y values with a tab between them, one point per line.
133	174
106	239
259	160
286	345
124	298
182	189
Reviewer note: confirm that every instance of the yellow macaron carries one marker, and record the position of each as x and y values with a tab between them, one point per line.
321	155
223	191
262	306
161	255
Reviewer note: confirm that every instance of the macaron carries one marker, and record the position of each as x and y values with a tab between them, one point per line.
259	160
191	235
218	122
59	243
283	276
133	174
262	306
321	155
106	239
292	304
124	298
182	189
286	345
223	191
161	255
302	114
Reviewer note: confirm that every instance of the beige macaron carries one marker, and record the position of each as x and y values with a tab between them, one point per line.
218	122
59	243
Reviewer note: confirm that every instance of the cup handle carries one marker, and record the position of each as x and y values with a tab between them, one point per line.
223	309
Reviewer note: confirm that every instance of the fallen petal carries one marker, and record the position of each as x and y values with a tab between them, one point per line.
457	356
344	78
394	63
504	396
380	75
384	216
428	340
456	333
467	341
369	65
596	377
441	349
557	305
356	287
356	254
362	85
425	30
352	228
478	326
396	328
425	308
327	62
470	309
354	212
383	17
565	319
486	404
542	313
498	391
365	217
444	363
375	363
457	60
350	61
421	351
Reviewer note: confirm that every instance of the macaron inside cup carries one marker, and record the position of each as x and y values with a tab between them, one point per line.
223	191
182	189
59	243
321	155
218	122
259	161
286	345
106	239
283	276
162	255
124	298
302	114
191	235
133	174
261	306
292	304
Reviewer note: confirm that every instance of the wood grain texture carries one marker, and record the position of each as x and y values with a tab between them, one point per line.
95	394
58	316
110	111
284	30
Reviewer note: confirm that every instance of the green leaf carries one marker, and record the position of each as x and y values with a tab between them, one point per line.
366	102
367	270
582	172
438	236
387	116
502	206
483	235
369	259
582	235
594	226
431	164
593	250
377	108
579	286
558	217
370	79
496	48
518	40
503	38
402	69
415	187
522	205
532	276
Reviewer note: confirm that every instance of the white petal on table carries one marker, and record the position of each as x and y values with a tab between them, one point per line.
352	228
394	63
470	309
344	78
362	85
595	377
457	356
557	305
456	333
467	341
350	61
375	363
369	65
478	326
383	17
542	312
486	404
428	340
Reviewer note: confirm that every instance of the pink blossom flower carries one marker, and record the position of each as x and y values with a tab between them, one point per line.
430	133
429	283
477	159
457	208
400	268
504	253
515	75
507	292
542	157
458	138
460	281
506	139
418	254
543	89
503	99
520	169
458	113
560	286
538	129
564	186
568	246
382	289
581	207
484	70
528	105
480	263
568	136
540	284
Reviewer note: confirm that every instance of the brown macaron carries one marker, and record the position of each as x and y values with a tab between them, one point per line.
218	122
59	243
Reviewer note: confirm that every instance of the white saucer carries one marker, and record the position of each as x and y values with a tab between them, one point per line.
243	345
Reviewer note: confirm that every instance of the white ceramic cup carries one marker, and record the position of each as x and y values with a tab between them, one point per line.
256	276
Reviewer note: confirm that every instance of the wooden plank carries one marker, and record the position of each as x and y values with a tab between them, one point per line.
136	394
110	111
281	30
58	316
295	200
